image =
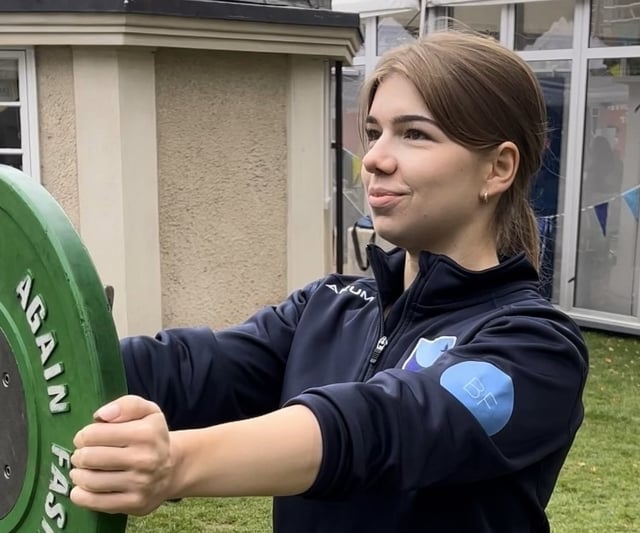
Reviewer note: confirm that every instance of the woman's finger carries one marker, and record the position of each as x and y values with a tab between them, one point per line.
120	434
126	408
98	481
115	502
107	458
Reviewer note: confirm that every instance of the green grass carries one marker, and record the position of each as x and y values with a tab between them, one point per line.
598	490
224	515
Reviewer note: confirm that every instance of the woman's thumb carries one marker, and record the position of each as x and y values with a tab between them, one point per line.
125	409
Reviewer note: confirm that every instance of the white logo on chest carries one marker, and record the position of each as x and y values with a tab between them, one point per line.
351	289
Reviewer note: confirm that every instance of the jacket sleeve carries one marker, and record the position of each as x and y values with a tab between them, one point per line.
493	406
201	377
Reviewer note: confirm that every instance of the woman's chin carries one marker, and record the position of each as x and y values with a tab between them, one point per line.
390	236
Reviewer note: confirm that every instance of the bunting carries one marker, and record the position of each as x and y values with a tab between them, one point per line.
632	198
601	210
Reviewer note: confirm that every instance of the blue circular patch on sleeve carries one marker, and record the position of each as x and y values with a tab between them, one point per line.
484	389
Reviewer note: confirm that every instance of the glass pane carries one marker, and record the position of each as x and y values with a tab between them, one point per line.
9	80
484	19
607	260
11	160
353	200
397	29
352	80
546	26
10	127
362	49
548	189
614	23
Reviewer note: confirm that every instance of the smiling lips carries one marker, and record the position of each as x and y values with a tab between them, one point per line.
380	198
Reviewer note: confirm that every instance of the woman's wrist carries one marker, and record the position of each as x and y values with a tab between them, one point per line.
177	488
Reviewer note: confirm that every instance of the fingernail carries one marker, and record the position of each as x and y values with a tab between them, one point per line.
77	439
109	412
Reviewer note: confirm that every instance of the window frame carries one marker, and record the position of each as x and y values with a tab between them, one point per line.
28	104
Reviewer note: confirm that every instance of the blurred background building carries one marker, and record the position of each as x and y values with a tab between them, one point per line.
197	136
189	142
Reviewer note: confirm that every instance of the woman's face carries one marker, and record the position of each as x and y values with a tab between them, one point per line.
424	190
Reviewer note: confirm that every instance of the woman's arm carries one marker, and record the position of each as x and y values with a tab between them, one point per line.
129	462
277	454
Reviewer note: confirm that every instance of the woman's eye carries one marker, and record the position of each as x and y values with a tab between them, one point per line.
415	135
372	135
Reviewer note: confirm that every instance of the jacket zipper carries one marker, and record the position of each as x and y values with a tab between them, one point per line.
377	352
383	341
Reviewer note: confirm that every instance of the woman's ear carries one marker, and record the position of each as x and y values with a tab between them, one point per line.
506	159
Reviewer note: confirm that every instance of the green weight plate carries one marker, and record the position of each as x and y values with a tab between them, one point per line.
59	360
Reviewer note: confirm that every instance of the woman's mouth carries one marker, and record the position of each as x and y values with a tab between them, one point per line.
382	199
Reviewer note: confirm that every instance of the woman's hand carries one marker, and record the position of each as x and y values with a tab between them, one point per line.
128	461
123	462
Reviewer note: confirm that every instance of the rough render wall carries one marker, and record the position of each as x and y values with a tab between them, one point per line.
222	184
57	127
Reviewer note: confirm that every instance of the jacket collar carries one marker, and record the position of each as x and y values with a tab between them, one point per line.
443	282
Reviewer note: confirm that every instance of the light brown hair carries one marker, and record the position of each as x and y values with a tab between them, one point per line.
481	94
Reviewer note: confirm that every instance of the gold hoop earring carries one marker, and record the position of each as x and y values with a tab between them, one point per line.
485	197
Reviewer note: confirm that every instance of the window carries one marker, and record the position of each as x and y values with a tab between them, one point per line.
363	49
397	29
18	125
607	260
615	23
482	19
548	190
549	27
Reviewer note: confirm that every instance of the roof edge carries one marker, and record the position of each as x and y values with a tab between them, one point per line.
210	9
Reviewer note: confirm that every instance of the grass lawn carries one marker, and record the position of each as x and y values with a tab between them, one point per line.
598	489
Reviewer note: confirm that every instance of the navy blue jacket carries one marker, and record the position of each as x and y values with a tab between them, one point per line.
452	412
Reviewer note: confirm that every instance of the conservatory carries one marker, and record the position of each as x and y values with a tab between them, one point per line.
586	55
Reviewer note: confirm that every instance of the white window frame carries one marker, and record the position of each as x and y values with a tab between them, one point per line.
28	104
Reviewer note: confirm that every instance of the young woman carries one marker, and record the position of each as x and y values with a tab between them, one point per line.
441	396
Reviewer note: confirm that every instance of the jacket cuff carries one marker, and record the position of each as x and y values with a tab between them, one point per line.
336	446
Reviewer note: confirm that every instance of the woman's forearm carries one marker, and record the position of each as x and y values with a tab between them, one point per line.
276	454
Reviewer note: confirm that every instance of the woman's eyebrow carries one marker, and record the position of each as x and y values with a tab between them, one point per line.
401	119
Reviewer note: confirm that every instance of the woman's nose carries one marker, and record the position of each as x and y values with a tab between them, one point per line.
379	158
